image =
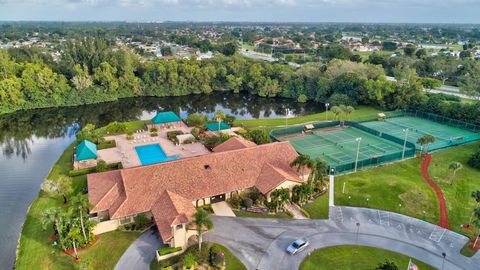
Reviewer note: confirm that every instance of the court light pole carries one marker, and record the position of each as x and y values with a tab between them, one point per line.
359	139
326	111
404	142
287	112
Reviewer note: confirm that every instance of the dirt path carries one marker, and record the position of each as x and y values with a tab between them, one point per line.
441	199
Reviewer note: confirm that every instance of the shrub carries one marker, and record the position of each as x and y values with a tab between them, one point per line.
153	129
115	128
254	194
188	261
259	136
302	98
172	135
212	141
101	166
234	201
216	256
229	119
474	160
246	202
196	119
79	172
242	132
153	134
106	144
141	221
167	250
196	132
188	141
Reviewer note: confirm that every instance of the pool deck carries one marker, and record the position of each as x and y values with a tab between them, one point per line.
126	154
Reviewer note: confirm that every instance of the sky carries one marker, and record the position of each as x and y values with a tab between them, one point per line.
394	11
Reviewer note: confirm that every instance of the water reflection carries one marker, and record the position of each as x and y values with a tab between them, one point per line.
17	129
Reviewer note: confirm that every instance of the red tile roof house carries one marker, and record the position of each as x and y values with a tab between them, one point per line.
170	191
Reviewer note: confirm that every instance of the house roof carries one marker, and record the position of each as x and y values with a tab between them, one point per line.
86	150
214	126
165	117
233	143
177	184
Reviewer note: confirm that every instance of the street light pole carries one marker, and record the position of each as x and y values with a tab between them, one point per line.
359	139
404	142
443	261
356	237
326	111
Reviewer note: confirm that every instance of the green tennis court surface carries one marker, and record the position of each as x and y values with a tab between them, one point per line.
339	147
445	135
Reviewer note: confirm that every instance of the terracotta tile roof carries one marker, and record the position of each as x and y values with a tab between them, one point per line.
233	143
143	189
169	210
270	177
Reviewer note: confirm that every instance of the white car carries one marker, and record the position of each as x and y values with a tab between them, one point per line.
297	246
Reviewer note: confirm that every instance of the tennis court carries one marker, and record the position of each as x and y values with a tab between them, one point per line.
338	147
445	135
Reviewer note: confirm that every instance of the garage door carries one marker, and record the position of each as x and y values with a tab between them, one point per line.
217	198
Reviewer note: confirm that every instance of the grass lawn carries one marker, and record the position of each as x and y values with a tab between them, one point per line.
255	215
35	250
247	46
355	258
360	112
399	187
318	209
232	262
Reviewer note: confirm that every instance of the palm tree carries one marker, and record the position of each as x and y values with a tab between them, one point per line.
74	235
318	171
349	110
476	196
336	111
219	116
301	162
454	166
81	204
425	140
202	219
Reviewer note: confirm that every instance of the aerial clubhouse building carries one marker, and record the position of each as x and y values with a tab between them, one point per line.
169	192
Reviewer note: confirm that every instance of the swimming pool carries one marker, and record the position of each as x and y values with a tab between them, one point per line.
152	153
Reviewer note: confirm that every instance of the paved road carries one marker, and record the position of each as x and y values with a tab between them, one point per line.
141	252
261	243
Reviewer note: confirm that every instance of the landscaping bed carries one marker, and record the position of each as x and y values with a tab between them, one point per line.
212	256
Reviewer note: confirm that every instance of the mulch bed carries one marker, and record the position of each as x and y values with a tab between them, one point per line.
72	251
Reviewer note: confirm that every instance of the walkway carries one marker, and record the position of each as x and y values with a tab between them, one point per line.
222	209
293	208
441	199
260	243
141	252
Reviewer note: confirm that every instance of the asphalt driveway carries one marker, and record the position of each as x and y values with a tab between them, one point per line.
261	243
141	252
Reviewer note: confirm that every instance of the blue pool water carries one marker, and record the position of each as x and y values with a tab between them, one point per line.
152	153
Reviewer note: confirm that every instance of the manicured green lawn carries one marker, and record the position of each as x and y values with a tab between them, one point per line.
255	215
355	258
35	249
457	194
360	112
399	187
318	209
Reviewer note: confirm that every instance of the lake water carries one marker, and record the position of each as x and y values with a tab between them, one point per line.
32	141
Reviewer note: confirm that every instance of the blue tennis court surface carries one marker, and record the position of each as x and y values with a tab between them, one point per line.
152	153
